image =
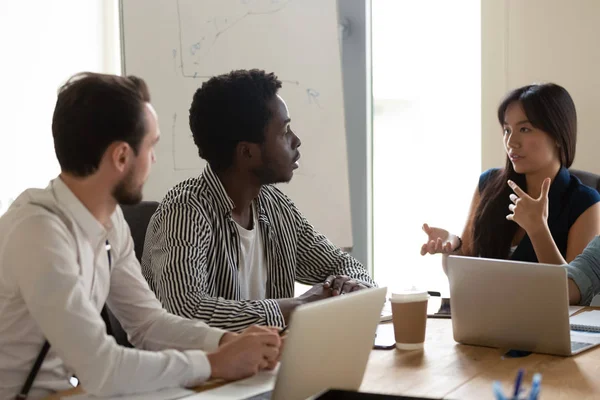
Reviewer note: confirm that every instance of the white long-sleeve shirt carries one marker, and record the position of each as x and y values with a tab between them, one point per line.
55	279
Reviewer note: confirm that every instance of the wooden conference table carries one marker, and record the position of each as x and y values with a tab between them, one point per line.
445	369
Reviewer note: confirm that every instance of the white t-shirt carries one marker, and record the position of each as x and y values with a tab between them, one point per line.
252	272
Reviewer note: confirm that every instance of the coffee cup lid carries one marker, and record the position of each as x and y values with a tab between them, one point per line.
409	296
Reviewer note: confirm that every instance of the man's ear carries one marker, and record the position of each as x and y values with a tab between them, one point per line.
247	152
244	150
120	155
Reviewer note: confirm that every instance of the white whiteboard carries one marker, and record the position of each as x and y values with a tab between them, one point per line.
175	45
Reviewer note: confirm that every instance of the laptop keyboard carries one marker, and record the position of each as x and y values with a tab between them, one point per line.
575	346
261	396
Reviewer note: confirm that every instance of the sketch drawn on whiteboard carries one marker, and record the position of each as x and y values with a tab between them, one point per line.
208	34
212	30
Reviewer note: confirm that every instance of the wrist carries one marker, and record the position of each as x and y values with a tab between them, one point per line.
215	365
298	301
286	306
307	298
227	337
538	229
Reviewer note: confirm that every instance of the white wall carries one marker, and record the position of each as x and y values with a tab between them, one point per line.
525	41
43	43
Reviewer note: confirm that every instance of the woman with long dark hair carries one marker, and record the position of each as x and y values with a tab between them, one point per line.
533	209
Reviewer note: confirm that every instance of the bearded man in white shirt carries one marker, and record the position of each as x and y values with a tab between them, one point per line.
66	250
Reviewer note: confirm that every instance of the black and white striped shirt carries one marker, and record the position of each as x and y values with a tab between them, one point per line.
192	251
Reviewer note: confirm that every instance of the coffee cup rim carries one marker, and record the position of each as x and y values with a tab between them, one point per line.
408	297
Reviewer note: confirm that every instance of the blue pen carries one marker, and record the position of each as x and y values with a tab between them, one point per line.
535	386
518	381
497	387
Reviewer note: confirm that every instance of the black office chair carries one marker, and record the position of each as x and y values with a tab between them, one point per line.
137	217
587	178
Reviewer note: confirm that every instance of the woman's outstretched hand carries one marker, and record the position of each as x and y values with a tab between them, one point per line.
438	241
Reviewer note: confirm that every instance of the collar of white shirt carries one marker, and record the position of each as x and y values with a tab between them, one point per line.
91	227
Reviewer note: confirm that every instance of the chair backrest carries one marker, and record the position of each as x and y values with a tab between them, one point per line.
137	217
587	178
117	330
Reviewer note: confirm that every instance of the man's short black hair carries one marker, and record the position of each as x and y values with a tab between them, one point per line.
93	111
229	109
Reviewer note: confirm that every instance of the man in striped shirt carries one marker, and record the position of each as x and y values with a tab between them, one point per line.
226	247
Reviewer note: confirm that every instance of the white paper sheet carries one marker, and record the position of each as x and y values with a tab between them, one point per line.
260	383
585	337
165	394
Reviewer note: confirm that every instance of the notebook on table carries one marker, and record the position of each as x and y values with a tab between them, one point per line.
588	321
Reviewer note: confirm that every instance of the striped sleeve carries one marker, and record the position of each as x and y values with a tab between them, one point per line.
179	245
318	257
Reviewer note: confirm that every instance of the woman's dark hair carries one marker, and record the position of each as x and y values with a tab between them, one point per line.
93	111
550	108
229	109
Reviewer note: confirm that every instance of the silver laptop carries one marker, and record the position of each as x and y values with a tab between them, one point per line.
328	346
512	305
